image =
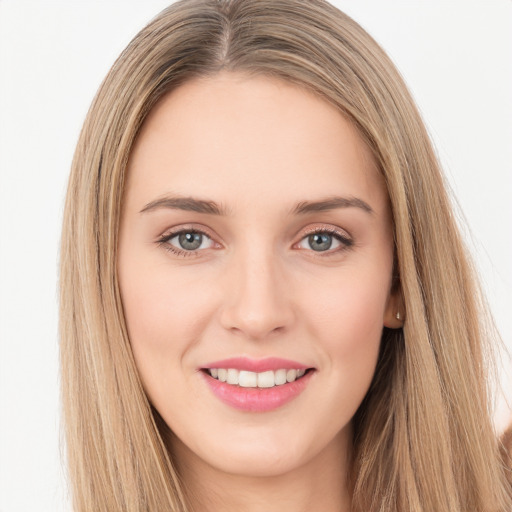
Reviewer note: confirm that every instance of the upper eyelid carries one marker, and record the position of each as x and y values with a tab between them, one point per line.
332	230
184	228
170	233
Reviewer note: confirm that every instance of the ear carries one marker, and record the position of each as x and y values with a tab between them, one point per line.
394	314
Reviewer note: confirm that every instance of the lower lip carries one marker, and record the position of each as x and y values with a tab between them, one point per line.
257	399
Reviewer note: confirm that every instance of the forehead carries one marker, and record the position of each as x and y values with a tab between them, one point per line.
242	138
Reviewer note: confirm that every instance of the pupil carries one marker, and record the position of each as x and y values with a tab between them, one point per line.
190	241
320	241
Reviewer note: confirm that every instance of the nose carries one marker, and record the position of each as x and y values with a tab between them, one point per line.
257	300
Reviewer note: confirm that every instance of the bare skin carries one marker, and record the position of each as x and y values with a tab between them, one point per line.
256	225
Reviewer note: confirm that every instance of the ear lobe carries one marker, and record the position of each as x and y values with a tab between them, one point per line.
394	314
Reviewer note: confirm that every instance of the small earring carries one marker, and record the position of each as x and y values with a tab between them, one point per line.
398	315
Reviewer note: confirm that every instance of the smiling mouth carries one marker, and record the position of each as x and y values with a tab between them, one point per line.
257	385
248	379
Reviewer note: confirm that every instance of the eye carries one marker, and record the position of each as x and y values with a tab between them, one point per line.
323	240
186	242
190	241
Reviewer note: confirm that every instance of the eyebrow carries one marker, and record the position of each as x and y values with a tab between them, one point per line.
192	204
332	203
188	204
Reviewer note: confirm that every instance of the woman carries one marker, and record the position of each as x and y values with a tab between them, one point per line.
269	304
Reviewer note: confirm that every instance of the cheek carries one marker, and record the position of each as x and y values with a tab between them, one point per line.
348	320
160	304
162	316
352	305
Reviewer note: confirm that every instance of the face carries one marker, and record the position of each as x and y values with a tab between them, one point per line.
256	246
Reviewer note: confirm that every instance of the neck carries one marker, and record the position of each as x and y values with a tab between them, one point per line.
320	483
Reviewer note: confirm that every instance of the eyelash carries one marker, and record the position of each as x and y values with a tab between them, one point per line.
163	241
345	241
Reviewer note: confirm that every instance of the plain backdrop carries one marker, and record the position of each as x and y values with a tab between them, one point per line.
456	56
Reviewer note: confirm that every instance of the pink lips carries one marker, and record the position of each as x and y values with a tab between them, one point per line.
257	365
257	399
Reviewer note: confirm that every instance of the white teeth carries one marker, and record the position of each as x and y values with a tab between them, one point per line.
246	379
291	375
266	379
280	377
232	376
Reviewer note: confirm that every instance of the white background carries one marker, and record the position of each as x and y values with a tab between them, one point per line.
456	56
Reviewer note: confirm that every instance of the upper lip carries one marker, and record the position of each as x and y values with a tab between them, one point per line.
257	365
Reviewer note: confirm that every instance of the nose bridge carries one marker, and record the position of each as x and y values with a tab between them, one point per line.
257	303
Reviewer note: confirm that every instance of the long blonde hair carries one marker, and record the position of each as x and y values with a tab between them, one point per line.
423	436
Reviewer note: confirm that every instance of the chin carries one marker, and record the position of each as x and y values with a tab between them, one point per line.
260	463
268	452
